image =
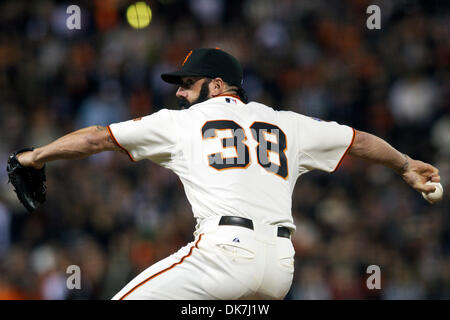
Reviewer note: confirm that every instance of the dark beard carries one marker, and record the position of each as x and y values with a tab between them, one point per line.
183	103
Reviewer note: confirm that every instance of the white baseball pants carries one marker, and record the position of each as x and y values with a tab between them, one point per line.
223	262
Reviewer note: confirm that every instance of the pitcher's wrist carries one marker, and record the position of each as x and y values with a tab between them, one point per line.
405	165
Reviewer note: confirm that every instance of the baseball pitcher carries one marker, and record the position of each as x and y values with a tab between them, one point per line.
238	162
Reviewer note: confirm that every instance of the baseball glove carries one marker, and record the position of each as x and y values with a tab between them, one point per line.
28	182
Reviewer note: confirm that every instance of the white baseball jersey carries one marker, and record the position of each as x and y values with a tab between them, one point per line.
236	159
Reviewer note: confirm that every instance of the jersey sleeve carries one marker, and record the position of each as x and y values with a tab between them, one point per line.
151	137
322	144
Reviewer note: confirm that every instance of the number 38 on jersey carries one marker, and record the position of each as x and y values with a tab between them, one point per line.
235	154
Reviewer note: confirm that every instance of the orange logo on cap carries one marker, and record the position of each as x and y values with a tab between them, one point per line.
185	59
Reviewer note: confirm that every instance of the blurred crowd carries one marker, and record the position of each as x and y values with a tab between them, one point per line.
113	218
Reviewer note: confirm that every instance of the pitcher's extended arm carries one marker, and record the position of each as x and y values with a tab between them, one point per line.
374	149
75	145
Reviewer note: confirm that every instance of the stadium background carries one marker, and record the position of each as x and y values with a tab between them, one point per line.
113	218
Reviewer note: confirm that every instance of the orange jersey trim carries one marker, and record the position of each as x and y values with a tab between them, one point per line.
346	151
164	270
118	144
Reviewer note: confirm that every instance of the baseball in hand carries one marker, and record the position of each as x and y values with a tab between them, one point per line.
436	195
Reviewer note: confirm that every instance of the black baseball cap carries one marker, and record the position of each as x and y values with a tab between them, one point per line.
208	62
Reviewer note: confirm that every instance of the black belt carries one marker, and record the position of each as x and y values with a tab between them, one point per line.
247	223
